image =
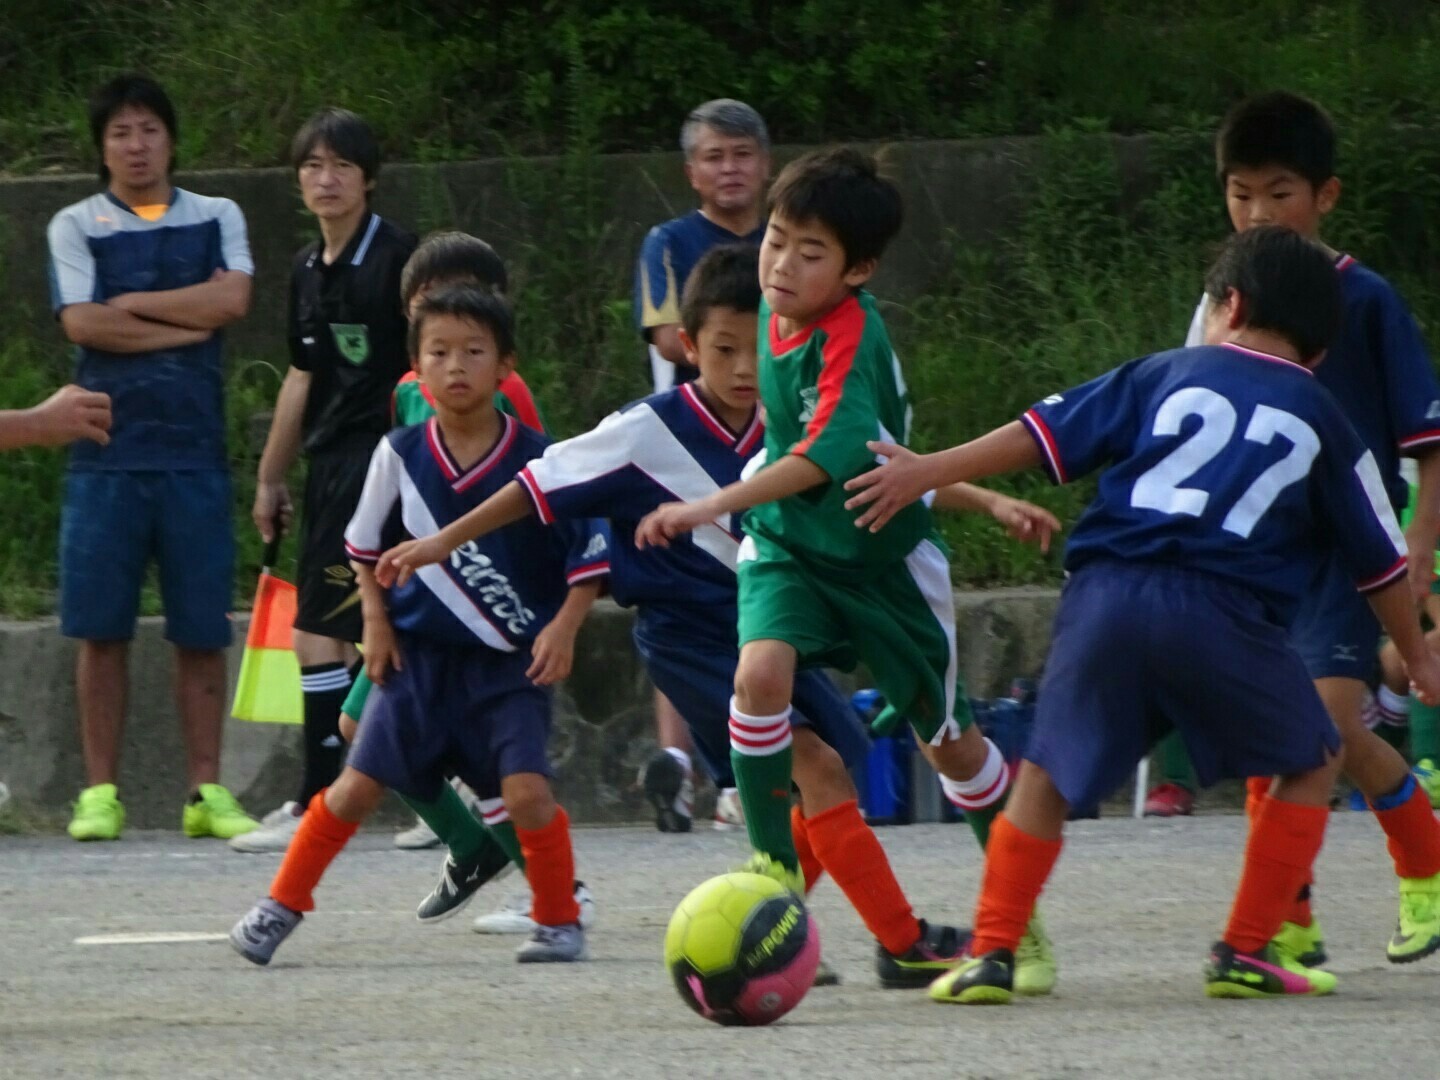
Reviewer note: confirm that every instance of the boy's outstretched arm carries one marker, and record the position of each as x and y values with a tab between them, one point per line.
1395	609
906	476
790	475
382	653
1024	521
554	648
506	506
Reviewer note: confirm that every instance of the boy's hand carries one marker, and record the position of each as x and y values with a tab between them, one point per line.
397	564
669	520
886	490
1425	678
382	652
272	510
553	653
1026	522
71	413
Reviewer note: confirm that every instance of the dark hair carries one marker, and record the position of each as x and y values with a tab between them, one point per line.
729	277
479	305
1277	128
843	190
130	89
1287	284
347	135
447	257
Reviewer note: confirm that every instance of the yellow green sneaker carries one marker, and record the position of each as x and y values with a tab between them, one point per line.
98	814
1231	974
765	866
1417	934
977	980
1035	965
1305	945
1427	775
215	812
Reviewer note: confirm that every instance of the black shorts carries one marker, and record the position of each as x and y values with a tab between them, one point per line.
329	602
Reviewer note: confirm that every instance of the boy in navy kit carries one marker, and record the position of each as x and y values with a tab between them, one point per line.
690	441
1275	155
1230	477
461	654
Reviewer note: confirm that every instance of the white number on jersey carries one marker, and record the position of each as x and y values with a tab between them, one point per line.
1159	487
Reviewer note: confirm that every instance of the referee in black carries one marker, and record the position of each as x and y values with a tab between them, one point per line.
347	351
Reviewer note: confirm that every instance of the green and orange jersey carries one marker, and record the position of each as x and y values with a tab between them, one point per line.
410	402
827	390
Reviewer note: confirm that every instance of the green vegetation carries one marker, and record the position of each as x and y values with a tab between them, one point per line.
1096	272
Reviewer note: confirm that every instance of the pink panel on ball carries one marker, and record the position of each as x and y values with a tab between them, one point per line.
766	998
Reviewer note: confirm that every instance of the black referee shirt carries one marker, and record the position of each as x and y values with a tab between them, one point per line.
348	330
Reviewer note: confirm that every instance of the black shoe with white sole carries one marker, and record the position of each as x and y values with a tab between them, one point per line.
459	882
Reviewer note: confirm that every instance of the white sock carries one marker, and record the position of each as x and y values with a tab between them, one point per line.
493	812
985	787
681	756
759	736
1395	708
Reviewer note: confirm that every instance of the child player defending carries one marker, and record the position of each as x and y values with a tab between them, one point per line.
813	589
695	440
461	652
1232	476
1276	158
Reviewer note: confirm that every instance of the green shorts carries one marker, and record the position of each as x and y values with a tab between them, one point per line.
355	700
901	625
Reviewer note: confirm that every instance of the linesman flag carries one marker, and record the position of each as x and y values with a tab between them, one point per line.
268	690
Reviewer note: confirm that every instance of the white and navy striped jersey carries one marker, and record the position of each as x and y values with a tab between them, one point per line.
665	448
1224	460
500	590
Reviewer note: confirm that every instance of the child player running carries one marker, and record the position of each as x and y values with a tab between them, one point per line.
1230	476
695	440
476	853
813	589
462	653
1276	159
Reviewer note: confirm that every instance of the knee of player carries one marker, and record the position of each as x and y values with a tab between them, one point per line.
959	758
763	683
353	795
528	800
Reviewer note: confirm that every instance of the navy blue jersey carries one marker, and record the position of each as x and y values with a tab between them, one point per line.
1379	371
500	590
169	404
1223	460
666	448
670	251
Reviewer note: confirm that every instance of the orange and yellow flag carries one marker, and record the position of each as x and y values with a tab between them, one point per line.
268	690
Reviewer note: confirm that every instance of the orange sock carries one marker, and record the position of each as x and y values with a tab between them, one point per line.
809	864
850	853
550	868
1411	830
1017	866
1284	840
313	848
1256	790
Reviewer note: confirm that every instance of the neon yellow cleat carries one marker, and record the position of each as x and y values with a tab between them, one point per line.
217	813
1427	775
1230	974
978	980
1035	964
1304	945
765	866
1417	934
98	814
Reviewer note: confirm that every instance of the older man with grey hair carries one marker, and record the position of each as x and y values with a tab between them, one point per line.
727	161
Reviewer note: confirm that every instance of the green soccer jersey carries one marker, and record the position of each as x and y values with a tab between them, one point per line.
827	390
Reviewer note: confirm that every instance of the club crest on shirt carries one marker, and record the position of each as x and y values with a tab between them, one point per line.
809	402
352	341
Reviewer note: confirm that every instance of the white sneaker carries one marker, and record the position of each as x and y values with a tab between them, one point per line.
554	945
418	837
729	814
513	915
275	831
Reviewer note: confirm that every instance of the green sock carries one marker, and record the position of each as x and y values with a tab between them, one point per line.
764	784
1424	730
504	834
981	819
1175	767
457	827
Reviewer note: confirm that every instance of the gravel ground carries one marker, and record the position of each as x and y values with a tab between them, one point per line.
363	989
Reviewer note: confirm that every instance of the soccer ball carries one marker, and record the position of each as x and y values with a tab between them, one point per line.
742	949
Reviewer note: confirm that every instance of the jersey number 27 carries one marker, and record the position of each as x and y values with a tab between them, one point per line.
1158	488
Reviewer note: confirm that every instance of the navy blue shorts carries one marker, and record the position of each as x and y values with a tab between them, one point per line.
1335	632
466	712
113	523
1140	648
697	673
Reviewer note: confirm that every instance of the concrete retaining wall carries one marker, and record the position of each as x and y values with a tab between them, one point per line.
603	729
